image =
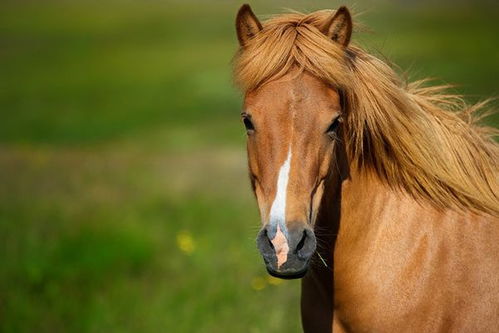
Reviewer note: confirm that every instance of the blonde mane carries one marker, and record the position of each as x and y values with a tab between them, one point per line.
418	139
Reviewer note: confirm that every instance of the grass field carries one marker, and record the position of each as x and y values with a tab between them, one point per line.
124	200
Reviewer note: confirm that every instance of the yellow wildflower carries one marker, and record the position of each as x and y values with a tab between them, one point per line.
273	280
185	242
258	283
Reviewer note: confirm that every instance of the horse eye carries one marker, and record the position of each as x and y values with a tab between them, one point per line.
334	126
248	124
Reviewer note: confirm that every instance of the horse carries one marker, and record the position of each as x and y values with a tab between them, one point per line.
381	195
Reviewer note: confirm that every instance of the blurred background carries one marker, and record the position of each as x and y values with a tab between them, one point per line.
124	199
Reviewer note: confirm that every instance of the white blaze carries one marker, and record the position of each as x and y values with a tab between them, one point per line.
277	214
278	209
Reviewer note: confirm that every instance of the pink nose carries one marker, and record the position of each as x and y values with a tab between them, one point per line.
281	247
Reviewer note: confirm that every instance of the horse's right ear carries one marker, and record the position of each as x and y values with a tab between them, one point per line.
339	26
247	25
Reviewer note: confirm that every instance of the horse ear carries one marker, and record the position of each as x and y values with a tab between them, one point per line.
338	27
247	25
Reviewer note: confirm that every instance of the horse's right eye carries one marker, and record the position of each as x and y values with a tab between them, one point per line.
334	126
248	124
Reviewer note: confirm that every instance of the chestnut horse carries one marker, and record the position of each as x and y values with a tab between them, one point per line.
389	189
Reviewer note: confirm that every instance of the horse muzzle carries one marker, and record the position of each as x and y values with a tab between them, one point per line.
287	252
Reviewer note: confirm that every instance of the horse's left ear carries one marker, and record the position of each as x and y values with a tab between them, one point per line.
247	24
338	27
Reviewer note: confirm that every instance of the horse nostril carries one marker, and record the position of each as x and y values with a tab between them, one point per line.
270	243
301	242
266	235
264	243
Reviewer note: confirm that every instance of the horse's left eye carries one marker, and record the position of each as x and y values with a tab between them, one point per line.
331	130
248	124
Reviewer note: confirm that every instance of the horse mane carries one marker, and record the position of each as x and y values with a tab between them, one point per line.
414	137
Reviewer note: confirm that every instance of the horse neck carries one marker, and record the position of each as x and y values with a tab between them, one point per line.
365	201
356	201
366	212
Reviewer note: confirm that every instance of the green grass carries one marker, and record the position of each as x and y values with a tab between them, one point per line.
124	200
